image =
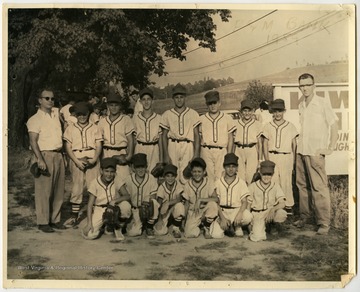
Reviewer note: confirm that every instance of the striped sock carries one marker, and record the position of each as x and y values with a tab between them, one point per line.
75	208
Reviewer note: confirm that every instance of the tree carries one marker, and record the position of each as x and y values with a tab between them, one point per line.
257	92
82	49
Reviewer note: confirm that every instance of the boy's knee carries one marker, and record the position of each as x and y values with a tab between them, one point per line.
125	209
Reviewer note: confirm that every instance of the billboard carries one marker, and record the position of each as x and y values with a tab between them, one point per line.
338	95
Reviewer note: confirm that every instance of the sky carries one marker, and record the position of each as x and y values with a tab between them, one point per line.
317	35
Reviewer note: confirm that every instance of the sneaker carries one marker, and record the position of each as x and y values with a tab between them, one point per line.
176	232
46	228
207	234
150	233
71	222
108	230
118	235
239	232
323	229
57	225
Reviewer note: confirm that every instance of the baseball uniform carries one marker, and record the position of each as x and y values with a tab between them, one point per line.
214	141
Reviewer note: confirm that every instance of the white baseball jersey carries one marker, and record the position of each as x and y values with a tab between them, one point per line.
115	132
168	195
147	129
230	195
280	137
247	133
193	193
104	193
140	192
82	138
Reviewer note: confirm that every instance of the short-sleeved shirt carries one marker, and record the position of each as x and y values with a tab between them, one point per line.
65	111
193	193
104	193
140	192
48	127
230	195
82	138
315	121
214	132
180	126
261	198
247	133
280	136
115	132
167	194
147	129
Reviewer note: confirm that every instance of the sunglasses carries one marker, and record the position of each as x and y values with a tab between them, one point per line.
48	98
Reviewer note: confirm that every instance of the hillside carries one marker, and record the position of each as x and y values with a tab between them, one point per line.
232	94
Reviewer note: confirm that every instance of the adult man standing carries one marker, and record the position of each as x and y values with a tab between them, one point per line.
317	120
46	142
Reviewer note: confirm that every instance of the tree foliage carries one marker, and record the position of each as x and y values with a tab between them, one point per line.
257	92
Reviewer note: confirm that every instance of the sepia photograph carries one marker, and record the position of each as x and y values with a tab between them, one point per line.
179	146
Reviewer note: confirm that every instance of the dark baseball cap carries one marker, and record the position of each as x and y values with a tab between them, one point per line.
267	167
108	162
178	89
231	158
146	91
246	103
198	161
212	96
81	108
139	159
170	168
113	97
277	104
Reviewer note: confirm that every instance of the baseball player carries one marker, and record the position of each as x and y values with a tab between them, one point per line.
216	132
232	194
201	201
266	202
247	142
169	196
65	115
280	147
180	132
117	130
147	130
104	191
83	146
140	189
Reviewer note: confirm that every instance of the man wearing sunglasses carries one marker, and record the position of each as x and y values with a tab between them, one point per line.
318	136
46	143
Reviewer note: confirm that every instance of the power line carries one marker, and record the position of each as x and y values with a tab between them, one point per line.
224	36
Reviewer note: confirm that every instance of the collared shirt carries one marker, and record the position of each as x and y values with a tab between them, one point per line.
104	193
247	133
193	193
82	138
315	120
214	132
140	192
280	136
48	127
147	129
230	195
264	198
180	126
167	194
115	132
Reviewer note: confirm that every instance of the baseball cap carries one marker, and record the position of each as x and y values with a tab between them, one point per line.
231	158
277	104
108	162
113	97
179	89
147	91
170	168
212	96
267	167
198	161
246	103
81	107
139	159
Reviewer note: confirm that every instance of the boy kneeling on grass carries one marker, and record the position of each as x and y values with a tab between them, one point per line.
266	203
104	191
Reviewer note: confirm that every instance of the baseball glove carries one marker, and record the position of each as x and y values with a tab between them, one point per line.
158	170
121	159
111	216
187	171
146	211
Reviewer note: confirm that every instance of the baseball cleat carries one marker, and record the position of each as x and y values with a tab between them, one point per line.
150	233
176	232
71	222
207	234
118	235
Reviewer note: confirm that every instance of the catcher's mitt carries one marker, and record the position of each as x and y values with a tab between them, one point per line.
111	216
146	211
187	171
158	170
121	159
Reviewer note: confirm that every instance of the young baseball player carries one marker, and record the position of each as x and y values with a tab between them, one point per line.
232	194
262	114
65	115
117	130
266	202
280	147
140	189
201	201
104	191
247	142
180	132
216	132
172	210
83	146
147	130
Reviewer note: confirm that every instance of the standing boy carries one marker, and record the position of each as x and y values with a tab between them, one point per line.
216	132
83	146
247	142
147	130
266	202
117	130
280	147
180	132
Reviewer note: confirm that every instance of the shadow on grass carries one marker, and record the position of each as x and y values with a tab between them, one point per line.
160	243
101	274
158	274
17	220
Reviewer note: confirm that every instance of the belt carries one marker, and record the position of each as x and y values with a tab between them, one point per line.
276	152
102	206
258	211
55	150
147	143
83	150
114	148
212	147
228	207
245	145
178	141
